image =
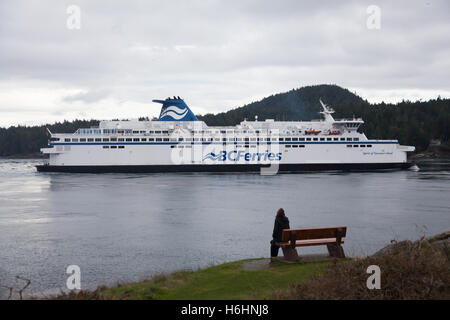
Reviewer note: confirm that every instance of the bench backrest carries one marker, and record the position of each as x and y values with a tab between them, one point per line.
314	233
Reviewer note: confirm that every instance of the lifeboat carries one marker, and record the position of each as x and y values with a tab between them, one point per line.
334	133
312	131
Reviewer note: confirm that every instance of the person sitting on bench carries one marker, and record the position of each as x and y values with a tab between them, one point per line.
281	222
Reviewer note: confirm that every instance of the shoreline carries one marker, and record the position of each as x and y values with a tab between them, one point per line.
315	276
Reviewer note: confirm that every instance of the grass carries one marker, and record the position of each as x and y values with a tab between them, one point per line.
225	281
409	271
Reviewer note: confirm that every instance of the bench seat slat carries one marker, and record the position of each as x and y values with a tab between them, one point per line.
312	242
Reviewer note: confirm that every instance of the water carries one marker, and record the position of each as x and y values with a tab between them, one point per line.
125	227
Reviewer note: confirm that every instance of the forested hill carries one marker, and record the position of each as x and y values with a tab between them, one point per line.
412	123
297	104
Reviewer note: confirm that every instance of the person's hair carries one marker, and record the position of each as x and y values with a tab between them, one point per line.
280	212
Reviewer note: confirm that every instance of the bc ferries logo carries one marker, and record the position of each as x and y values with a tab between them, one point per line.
243	155
174	112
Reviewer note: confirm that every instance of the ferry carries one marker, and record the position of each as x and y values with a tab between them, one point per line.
178	142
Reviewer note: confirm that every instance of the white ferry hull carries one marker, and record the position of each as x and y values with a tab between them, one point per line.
178	142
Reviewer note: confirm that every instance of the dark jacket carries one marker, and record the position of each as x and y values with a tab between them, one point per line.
281	222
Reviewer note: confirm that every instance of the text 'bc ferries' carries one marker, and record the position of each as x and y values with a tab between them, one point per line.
179	142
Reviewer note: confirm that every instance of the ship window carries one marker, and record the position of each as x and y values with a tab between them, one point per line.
105	147
157	131
74	140
82	140
173	139
113	139
246	139
322	139
165	132
158	139
121	139
223	131
134	132
230	139
106	139
302	146
129	139
246	145
266	139
294	146
180	139
238	139
369	146
355	146
252	146
349	146
195	139
151	139
257	131
363	146
294	139
166	139
120	131
328	139
349	139
288	146
342	139
301	139
90	139
281	139
224	139
98	139
121	147
172	147
315	139
113	147
180	146
151	132
355	139
144	139
142	131
335	139
308	139
288	139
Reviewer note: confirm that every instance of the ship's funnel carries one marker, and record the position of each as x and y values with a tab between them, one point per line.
175	110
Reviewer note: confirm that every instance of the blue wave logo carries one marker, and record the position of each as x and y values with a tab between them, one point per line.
174	113
213	156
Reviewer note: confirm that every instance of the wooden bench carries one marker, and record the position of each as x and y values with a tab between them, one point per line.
329	236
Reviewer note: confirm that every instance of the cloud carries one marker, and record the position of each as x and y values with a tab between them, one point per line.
215	54
87	97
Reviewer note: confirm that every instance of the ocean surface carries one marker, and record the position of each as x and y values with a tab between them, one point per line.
126	227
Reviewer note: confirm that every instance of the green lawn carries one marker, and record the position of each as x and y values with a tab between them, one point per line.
225	281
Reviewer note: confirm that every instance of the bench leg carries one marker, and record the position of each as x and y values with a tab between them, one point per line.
290	254
335	250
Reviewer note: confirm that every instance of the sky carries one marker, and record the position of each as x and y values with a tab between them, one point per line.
108	59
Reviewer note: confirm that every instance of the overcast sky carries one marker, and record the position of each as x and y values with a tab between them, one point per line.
217	55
